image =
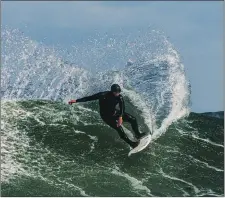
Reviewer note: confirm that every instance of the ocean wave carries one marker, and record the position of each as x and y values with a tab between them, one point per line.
69	151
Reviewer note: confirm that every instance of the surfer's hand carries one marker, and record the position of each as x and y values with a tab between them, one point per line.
71	102
120	121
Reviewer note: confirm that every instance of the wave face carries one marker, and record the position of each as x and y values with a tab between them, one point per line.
69	151
52	149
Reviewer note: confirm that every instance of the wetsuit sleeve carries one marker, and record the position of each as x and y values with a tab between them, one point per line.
93	97
122	106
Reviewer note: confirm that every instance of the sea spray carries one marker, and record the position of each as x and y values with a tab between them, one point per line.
155	81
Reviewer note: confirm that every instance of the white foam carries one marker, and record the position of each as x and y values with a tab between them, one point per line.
196	190
135	183
205	164
79	132
194	134
209	192
207	140
57	182
94	139
70	185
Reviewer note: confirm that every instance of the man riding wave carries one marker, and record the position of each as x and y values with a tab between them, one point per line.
108	101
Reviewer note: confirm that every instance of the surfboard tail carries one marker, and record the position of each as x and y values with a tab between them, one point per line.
144	142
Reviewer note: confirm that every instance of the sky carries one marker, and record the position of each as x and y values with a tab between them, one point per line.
194	28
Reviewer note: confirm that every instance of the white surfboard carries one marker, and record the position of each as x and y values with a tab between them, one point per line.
144	141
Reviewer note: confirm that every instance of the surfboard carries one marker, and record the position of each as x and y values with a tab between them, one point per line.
144	141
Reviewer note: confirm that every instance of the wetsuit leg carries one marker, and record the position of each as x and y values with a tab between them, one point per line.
112	123
133	121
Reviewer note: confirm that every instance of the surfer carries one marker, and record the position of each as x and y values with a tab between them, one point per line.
108	100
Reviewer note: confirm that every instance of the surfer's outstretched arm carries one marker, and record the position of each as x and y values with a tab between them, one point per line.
89	98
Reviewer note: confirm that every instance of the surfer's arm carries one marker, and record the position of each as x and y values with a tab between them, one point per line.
122	106
93	97
121	111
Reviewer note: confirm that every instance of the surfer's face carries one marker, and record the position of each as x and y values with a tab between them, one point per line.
116	93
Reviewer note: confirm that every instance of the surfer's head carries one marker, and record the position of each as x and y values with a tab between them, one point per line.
115	88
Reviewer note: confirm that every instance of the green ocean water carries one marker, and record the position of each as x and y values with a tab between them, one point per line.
53	149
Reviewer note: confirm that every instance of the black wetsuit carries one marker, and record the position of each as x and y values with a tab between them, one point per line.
110	114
